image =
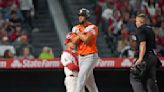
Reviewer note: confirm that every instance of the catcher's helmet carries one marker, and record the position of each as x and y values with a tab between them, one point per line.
84	12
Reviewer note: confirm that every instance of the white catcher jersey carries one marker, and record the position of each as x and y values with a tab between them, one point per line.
67	58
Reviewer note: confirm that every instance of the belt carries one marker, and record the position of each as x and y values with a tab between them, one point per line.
86	54
150	51
71	75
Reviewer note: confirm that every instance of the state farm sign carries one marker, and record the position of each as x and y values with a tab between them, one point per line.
34	63
55	63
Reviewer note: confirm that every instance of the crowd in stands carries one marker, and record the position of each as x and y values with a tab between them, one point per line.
116	19
15	17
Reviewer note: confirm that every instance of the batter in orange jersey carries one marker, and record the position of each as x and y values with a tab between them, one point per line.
87	47
86	42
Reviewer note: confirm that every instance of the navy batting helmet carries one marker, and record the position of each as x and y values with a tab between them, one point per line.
84	12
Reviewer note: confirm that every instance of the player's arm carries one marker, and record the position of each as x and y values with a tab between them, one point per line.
76	39
86	38
72	67
142	49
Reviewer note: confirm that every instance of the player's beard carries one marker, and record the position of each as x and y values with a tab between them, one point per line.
81	21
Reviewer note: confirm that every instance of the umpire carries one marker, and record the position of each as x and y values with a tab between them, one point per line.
143	71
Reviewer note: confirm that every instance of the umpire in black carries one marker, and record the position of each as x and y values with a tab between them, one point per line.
143	71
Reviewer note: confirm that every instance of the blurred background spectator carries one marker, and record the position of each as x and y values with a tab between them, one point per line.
118	21
8	54
130	48
20	43
28	35
46	53
5	45
115	19
26	54
2	32
27	9
160	39
14	15
13	30
16	33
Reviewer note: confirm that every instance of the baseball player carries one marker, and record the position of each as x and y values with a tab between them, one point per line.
87	35
69	60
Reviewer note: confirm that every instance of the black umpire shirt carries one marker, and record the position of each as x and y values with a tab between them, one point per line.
145	33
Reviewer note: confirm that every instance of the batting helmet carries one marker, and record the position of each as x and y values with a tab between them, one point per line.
84	12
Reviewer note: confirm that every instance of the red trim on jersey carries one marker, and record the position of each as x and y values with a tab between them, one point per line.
72	67
74	54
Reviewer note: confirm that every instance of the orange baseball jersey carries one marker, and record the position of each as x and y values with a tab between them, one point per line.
90	47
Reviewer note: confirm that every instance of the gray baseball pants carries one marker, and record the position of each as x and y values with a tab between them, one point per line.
85	77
